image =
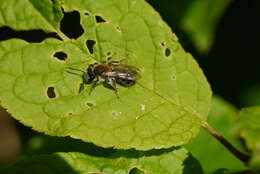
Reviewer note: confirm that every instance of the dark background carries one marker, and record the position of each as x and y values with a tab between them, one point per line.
232	66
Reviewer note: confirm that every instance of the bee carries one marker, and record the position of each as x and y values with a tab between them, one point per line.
109	74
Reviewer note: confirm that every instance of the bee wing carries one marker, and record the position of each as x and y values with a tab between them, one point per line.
125	76
109	74
126	73
120	75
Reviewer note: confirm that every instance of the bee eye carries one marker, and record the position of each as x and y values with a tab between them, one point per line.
89	76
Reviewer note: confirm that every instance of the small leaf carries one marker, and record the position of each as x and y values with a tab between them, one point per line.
50	10
201	19
31	14
249	119
196	19
223	118
250	96
221	171
43	144
255	160
164	108
167	162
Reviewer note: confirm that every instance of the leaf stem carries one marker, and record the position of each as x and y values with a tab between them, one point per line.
241	156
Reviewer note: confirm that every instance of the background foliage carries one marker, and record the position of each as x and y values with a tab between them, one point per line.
223	37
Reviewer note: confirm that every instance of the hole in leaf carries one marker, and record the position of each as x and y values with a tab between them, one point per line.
167	52
70	25
27	35
51	92
118	28
109	53
136	171
86	13
61	55
173	77
99	19
89	104
116	114
90	45
163	44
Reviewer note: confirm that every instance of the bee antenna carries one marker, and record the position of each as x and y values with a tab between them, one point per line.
74	73
76	69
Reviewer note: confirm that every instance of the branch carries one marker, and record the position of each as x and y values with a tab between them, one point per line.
241	156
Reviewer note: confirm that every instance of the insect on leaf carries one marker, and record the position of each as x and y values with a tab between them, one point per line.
164	108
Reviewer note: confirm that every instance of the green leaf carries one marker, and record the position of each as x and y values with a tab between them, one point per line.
201	19
255	160
223	118
164	108
249	119
250	96
221	171
197	20
123	162
43	144
32	14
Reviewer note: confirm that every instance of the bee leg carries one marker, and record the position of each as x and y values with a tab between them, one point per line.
116	62
81	88
95	84
111	83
